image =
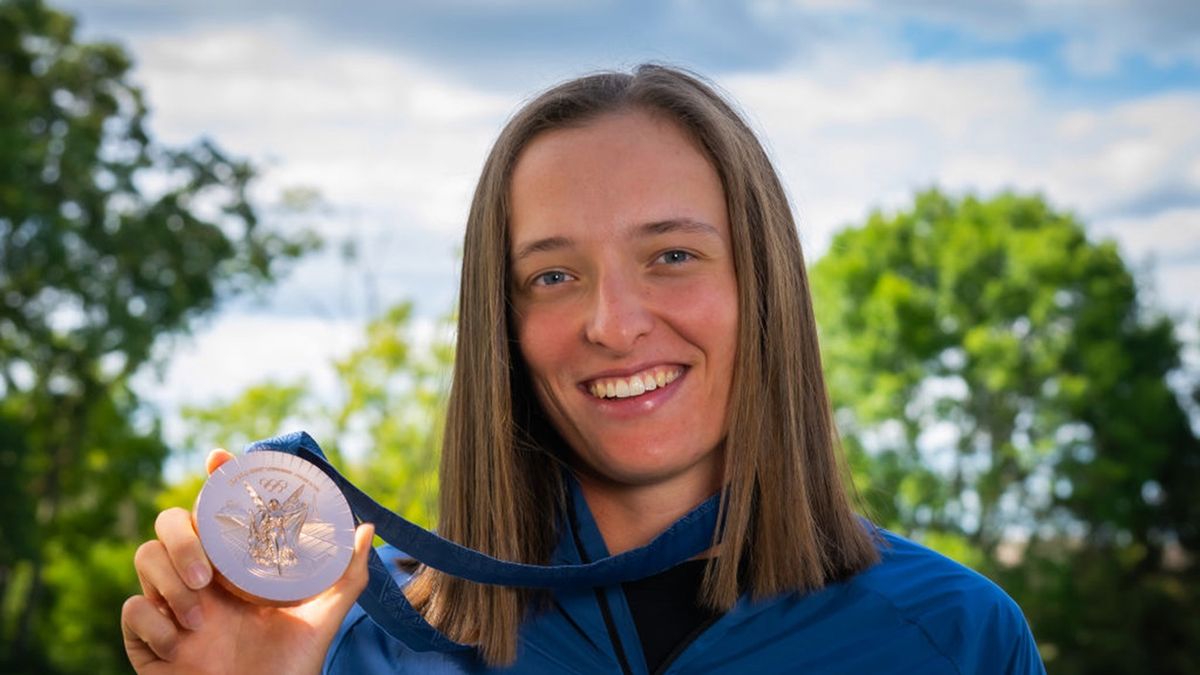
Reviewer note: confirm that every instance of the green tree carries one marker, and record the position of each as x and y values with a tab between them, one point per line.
382	428
108	241
1004	396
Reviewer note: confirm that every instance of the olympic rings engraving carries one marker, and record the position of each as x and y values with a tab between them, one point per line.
273	484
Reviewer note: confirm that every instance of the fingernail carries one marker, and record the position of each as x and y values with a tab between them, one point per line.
198	575
194	618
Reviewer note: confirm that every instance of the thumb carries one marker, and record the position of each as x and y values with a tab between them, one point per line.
216	458
337	599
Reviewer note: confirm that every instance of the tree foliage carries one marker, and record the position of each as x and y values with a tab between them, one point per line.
1004	396
1002	392
381	428
108	241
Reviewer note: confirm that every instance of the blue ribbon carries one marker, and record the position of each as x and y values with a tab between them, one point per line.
386	604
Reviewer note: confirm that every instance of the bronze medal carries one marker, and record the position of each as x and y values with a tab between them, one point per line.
275	527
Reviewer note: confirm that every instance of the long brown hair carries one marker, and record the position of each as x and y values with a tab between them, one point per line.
787	523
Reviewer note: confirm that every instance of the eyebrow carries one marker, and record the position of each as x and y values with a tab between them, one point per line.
658	227
676	225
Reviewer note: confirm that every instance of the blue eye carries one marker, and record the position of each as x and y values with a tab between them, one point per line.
675	257
552	278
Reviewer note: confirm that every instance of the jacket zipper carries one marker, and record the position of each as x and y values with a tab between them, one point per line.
609	624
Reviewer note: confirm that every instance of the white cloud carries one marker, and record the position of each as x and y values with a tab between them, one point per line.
365	127
853	126
396	149
1179	283
1167	246
1097	34
1169	237
237	349
1099	37
852	136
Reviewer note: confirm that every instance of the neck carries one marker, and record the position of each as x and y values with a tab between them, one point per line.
631	516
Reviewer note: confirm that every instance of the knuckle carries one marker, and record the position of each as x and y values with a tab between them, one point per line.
167	519
130	607
140	619
150	626
145	553
179	598
162	640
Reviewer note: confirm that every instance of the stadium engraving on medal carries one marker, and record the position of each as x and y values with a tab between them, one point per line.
275	527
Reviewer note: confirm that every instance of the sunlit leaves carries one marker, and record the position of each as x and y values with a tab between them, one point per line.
382	427
108	241
1004	397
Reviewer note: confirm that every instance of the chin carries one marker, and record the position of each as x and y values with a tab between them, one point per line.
644	467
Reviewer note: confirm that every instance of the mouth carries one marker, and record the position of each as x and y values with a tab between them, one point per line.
632	386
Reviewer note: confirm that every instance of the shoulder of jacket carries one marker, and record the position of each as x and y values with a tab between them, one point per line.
964	615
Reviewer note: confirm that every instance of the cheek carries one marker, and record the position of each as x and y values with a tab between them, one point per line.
546	348
707	315
710	323
542	343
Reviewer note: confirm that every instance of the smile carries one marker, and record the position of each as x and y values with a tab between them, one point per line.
634	385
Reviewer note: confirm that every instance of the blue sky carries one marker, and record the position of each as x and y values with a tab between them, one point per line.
387	109
1091	50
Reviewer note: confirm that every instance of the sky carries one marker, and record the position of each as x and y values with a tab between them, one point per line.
387	110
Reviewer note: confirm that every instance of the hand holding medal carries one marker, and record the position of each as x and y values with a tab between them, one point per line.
289	565
276	524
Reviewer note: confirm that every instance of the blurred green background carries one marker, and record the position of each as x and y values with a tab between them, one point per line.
1006	393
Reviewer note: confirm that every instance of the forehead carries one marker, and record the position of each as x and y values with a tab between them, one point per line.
617	171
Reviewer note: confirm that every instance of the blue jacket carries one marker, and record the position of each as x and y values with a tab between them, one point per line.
913	612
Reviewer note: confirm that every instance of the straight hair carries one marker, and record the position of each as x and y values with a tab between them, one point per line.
787	522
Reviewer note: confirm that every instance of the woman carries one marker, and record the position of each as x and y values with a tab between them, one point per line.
635	335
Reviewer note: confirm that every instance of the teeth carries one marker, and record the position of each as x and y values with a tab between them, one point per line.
635	385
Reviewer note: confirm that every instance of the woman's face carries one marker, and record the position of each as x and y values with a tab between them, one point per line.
625	297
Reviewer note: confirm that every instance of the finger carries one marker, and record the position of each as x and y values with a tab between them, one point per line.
148	588
175	531
149	636
161	584
216	458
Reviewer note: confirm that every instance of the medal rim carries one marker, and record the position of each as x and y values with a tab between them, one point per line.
227	578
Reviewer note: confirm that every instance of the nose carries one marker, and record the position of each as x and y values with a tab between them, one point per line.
618	315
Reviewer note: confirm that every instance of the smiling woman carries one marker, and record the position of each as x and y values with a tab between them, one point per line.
635	345
638	288
587	193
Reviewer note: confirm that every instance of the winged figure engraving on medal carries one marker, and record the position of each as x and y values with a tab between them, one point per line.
277	538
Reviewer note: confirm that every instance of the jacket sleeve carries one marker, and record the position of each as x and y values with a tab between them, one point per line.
1024	657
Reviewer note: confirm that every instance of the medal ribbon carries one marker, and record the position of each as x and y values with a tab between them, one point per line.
386	604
